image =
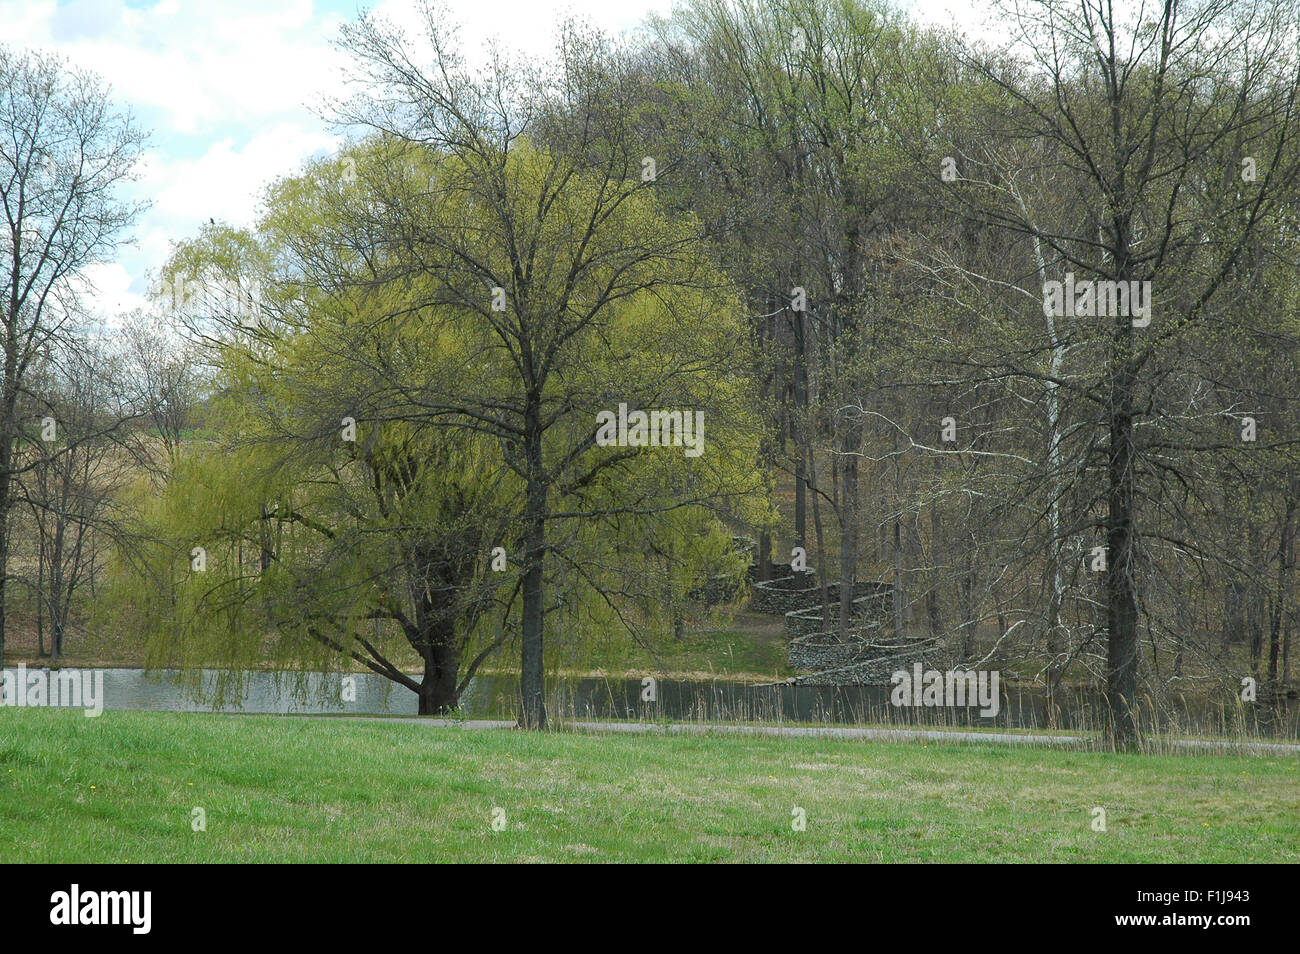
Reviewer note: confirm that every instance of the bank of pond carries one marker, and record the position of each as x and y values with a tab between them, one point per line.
644	698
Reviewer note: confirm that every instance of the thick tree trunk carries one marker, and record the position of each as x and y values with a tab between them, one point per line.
8	430
802	441
532	713
437	693
1055	571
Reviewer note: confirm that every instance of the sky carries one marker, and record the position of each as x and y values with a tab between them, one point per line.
231	93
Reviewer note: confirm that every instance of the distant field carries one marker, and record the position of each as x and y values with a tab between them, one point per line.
124	787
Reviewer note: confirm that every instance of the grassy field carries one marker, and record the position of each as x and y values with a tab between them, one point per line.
124	787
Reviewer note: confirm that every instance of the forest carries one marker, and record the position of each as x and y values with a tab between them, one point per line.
990	346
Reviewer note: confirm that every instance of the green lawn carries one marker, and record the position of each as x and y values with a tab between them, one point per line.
122	788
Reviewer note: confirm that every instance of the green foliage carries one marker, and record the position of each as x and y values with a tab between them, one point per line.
317	545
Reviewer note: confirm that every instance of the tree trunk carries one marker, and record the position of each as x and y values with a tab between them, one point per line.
898	579
848	540
8	429
967	610
1003	625
802	441
800	502
4	540
1121	590
1280	602
822	573
40	599
934	595
437	693
1255	625
57	618
1234	603
1286	655
1285	686
532	713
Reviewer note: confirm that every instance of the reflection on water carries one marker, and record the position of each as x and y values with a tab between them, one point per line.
252	691
494	696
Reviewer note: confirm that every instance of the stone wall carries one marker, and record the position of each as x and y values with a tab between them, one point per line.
858	662
873	603
791	591
866	659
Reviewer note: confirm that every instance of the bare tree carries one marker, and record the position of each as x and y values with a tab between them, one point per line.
1153	123
79	468
62	153
164	373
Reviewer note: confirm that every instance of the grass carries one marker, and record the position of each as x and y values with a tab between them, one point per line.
751	648
122	788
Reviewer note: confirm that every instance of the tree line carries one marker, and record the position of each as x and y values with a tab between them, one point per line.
1009	326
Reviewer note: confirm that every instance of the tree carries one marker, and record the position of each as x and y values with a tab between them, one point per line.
1148	123
539	238
790	111
72	483
162	366
62	154
345	489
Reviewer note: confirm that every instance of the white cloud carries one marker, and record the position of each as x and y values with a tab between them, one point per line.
527	28
108	294
197	64
226	182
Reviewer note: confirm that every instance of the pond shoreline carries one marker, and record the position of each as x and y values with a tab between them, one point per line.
654	700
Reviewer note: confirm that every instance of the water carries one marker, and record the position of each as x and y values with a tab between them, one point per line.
494	696
251	691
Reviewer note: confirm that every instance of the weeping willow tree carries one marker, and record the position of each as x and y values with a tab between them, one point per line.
363	498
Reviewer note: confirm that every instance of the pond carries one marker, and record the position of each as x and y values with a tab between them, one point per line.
494	696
